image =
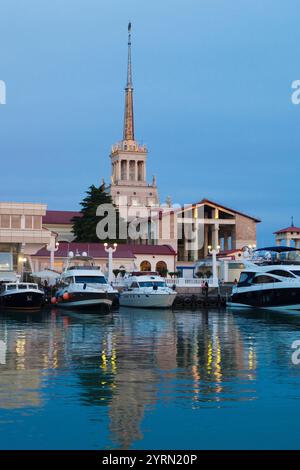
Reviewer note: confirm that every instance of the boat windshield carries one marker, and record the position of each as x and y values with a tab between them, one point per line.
152	284
90	280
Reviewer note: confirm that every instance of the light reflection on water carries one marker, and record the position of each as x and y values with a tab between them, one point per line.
147	379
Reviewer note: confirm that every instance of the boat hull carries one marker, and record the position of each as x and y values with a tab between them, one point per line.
88	300
279	298
28	300
129	299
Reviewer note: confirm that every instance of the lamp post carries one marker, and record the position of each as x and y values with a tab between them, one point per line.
214	252
110	250
52	247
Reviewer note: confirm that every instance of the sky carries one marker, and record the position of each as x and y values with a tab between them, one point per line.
212	90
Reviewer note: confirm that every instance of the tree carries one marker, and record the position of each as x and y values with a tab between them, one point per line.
84	226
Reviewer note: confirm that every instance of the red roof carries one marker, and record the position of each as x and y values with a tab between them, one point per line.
96	250
288	229
60	217
153	250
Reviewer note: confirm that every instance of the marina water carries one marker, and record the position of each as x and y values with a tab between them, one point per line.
145	379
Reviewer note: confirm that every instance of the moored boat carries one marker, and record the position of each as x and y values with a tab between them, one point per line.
144	290
21	296
272	283
82	285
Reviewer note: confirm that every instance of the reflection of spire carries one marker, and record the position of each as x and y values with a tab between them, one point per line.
128	133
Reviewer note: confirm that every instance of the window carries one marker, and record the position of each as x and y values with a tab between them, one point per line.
296	272
6	262
152	284
28	221
11	286
15	221
90	279
37	222
5	221
22	286
280	272
264	279
245	279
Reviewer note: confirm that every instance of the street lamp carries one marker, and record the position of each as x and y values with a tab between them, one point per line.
214	252
110	250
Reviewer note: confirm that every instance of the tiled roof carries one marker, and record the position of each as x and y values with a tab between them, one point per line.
288	229
153	250
97	250
60	217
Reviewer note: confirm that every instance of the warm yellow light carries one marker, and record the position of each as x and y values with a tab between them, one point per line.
105	244
115	245
209	247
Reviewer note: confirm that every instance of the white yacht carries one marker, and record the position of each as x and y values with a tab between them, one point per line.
83	285
21	296
146	290
271	282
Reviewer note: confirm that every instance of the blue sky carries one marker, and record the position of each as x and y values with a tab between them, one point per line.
212	84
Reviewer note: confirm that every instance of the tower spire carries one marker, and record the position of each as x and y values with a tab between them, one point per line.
128	132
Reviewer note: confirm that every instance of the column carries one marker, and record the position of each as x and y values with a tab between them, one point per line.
136	170
215	240
127	170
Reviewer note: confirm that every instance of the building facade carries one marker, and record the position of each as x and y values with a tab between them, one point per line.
21	234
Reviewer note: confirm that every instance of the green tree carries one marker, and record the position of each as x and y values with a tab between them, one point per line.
84	226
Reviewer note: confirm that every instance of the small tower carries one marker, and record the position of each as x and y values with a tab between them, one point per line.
128	158
288	235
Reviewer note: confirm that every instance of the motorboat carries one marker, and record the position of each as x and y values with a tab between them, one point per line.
272	282
21	296
83	285
146	291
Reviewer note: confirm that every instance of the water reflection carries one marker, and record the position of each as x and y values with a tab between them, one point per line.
130	362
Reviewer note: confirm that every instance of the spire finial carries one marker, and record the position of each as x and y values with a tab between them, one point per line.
292	221
128	133
129	72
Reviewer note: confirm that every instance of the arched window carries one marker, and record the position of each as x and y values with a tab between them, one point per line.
161	268
145	266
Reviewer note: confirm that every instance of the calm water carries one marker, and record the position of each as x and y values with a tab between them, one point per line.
149	380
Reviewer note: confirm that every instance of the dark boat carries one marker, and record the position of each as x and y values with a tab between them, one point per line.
271	282
21	296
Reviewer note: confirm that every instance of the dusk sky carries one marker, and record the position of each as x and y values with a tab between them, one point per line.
212	90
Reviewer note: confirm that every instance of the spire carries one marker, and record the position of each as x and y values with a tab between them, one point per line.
292	221
128	133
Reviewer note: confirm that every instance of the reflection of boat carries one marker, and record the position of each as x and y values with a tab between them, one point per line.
21	296
269	285
146	291
83	285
